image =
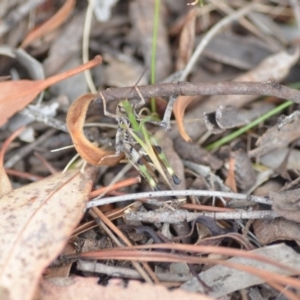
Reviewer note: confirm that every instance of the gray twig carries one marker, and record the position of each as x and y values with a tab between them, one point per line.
172	217
28	148
98	201
269	88
12	18
37	116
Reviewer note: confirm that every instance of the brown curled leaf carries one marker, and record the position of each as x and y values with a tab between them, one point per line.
51	24
86	149
179	108
22	92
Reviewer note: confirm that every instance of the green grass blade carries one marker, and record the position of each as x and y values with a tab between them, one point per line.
230	137
153	52
242	130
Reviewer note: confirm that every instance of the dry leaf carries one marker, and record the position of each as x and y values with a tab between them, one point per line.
22	92
244	174
62	270
87	150
223	280
274	139
187	39
275	66
50	24
280	229
230	180
87	289
141	14
36	221
286	204
194	153
225	117
179	109
5	185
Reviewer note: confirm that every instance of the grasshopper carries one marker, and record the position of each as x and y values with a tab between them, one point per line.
139	146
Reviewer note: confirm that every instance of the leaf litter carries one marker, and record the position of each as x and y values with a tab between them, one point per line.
259	167
30	239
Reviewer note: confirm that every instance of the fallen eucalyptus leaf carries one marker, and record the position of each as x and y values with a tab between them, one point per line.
36	222
22	92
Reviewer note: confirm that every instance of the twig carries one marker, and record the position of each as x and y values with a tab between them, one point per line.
37	116
146	272
25	175
236	196
210	34
14	17
85	44
28	148
269	88
226	8
120	272
116	186
172	217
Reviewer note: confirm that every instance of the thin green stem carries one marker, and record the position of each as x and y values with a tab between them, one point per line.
242	130
153	53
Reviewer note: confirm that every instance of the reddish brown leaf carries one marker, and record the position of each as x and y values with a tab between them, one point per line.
15	95
230	180
179	108
50	24
36	222
87	150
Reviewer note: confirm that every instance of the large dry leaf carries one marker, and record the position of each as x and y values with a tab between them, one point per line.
223	280
22	92
36	221
87	150
87	289
50	24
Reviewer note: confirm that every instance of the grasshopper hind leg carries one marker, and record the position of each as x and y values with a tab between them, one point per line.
165	161
135	157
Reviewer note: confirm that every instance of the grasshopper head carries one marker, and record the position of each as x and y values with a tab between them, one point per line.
124	107
121	111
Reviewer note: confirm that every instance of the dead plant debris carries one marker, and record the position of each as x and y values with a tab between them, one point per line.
101	198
